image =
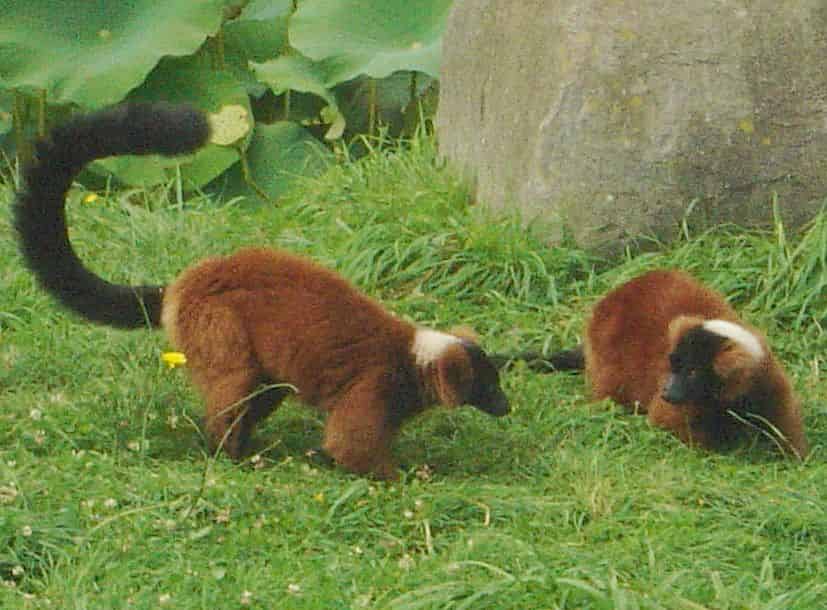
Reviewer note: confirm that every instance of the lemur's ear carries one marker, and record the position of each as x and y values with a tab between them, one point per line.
453	376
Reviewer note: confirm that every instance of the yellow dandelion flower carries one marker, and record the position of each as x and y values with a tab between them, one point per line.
173	359
91	198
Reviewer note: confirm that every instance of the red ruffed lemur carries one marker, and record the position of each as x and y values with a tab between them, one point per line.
259	317
665	345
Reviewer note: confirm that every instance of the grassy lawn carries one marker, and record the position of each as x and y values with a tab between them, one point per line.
108	499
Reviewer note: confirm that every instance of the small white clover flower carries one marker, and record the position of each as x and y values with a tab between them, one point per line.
406	562
8	493
223	516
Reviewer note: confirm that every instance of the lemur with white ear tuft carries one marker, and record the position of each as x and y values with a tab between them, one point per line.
257	317
665	345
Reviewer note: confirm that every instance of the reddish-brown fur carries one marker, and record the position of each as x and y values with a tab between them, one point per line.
266	316
629	337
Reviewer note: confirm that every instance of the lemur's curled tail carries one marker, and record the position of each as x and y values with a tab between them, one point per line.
565	360
39	209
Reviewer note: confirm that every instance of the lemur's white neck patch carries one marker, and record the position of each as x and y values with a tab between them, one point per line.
737	333
428	345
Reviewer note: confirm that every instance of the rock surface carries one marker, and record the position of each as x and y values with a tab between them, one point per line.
617	118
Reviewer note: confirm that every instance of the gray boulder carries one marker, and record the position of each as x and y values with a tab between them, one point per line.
617	118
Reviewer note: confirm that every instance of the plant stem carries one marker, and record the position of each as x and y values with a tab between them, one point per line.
371	106
41	113
412	89
22	144
217	49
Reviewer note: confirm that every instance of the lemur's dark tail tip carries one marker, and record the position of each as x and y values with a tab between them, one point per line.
168	129
134	128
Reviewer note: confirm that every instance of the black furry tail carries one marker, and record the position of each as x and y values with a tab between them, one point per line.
565	360
39	209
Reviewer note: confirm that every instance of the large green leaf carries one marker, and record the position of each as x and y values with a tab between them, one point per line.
188	79
278	154
373	37
259	34
295	72
265	10
93	52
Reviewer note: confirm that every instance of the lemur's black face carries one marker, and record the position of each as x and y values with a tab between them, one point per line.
692	378
486	394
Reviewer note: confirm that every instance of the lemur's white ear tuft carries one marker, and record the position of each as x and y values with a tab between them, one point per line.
738	334
428	345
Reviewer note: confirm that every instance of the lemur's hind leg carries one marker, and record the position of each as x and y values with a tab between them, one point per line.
227	405
263	403
222	365
231	427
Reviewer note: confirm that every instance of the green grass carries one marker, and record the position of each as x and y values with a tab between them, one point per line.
107	499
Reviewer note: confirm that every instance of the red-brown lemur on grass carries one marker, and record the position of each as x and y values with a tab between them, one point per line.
665	345
257	317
